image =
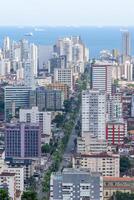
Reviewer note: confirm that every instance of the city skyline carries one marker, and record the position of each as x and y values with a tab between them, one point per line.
67	13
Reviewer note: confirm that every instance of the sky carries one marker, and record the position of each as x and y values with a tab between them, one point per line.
67	12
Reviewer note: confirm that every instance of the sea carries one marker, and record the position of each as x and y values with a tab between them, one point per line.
95	38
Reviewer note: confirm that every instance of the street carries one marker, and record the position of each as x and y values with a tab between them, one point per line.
70	147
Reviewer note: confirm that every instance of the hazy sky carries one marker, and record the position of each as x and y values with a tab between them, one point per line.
67	12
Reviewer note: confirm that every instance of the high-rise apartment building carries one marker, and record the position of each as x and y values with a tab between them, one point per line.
116	131
6	47
43	119
5	67
46	100
57	62
29	80
132	106
25	50
73	48
94	113
64	47
126	44
22	140
101	77
34	58
78	53
127	71
15	97
76	184
60	86
115	107
64	76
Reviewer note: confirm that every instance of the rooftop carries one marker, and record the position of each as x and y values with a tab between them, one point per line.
110	178
7	174
100	155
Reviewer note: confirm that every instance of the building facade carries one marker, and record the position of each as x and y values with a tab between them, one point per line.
91	145
46	99
43	119
115	107
116	131
117	184
101	76
64	76
76	184
15	97
60	86
8	182
94	113
22	140
107	164
19	177
126	44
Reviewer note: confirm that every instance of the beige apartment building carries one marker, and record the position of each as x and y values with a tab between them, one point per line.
107	164
113	184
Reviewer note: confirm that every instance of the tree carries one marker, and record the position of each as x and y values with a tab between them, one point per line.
45	148
4	194
29	195
124	164
67	105
58	120
46	182
123	196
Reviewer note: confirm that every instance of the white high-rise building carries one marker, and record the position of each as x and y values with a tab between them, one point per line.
94	113
6	47
128	71
102	77
34	58
73	49
17	53
29	79
42	118
65	48
132	106
5	67
116	72
25	50
78	53
6	44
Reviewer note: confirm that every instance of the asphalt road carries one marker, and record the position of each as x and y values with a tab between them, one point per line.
70	147
66	159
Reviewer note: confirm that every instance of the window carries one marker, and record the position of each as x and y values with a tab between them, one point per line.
106	193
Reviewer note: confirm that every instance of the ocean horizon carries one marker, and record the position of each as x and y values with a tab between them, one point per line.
95	38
